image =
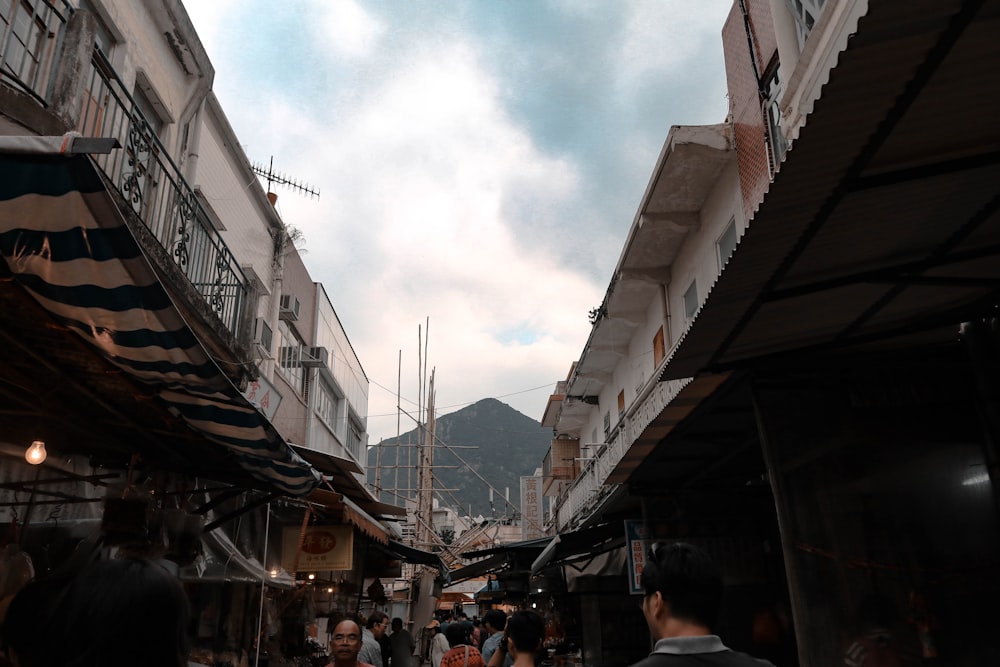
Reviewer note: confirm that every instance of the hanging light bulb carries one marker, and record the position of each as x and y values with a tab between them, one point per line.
35	454
311	576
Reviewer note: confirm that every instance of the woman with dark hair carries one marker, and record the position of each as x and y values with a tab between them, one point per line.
114	613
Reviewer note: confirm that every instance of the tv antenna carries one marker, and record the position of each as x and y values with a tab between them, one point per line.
272	176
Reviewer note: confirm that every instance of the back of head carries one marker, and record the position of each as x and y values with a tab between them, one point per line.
28	623
687	579
496	618
397	624
527	630
456	634
118	613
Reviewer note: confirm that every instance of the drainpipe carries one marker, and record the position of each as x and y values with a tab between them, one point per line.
277	273
668	339
194	143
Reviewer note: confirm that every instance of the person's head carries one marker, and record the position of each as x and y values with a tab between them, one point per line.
683	590
377	623
456	634
118	612
434	627
476	623
526	630
495	620
397	624
29	620
345	642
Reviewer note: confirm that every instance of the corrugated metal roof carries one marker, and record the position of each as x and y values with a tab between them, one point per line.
895	171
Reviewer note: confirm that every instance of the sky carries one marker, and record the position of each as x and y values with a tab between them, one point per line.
479	166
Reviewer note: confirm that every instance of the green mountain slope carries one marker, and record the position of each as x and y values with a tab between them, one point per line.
507	445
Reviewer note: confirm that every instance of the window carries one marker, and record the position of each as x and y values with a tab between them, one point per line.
354	441
328	406
659	349
289	358
621	403
805	13
607	425
691	300
776	142
726	243
26	40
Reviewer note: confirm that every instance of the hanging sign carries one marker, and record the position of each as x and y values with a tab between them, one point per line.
263	396
323	548
637	537
531	508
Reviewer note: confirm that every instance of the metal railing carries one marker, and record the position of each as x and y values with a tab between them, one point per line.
31	38
153	187
590	486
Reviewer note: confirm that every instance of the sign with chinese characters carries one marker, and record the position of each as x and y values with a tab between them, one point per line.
638	543
263	396
531	508
323	548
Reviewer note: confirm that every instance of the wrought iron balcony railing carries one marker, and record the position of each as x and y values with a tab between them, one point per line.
151	183
32	34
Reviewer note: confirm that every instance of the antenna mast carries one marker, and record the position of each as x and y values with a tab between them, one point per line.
269	174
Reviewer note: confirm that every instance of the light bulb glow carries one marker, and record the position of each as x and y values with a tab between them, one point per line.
274	572
36	453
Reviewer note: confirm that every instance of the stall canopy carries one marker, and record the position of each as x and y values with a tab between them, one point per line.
882	227
580	544
101	357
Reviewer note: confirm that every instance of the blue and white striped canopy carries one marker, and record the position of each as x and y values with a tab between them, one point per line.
66	243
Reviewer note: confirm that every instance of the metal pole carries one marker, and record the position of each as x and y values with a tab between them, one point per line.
263	581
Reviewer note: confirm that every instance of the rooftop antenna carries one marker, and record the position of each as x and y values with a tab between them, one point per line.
272	176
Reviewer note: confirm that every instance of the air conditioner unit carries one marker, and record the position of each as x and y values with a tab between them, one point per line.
262	334
288	308
315	357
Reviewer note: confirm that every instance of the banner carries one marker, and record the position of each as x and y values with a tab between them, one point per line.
531	508
638	543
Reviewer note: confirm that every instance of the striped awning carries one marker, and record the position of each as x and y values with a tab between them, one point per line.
65	243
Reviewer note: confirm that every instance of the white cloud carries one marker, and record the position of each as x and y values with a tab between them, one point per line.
413	222
344	27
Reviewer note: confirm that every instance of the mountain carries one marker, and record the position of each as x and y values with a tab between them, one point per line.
507	445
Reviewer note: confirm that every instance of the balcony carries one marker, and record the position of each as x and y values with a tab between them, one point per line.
560	463
590	487
49	90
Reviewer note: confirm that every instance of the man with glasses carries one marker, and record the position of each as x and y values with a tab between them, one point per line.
371	650
345	644
683	593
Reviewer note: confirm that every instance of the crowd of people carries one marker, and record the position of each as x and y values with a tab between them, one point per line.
118	612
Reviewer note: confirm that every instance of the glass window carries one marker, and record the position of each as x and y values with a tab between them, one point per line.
691	300
290	357
726	243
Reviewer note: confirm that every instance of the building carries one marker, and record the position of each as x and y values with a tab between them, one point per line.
820	407
161	335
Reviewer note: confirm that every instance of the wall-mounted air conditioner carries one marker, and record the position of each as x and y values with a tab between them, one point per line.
288	308
315	357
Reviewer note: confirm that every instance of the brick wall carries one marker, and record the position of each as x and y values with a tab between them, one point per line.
744	100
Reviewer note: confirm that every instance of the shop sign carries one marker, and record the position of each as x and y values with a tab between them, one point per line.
531	508
263	396
638	543
323	548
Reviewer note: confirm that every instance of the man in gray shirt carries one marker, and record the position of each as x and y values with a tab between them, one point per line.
402	644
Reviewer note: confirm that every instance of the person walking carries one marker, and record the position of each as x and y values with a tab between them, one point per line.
683	594
439	644
401	644
461	654
371	637
345	645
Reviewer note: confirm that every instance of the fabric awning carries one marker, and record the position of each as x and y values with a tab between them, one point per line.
64	242
580	544
341	473
882	225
